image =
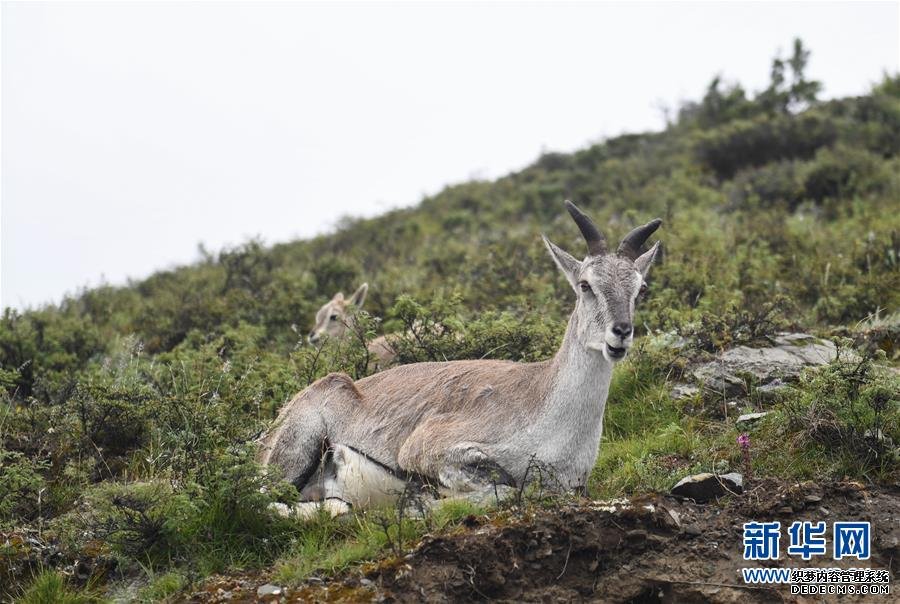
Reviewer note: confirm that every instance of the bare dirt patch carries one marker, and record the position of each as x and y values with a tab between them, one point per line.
650	549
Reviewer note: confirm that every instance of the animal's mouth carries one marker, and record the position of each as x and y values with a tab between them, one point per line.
615	353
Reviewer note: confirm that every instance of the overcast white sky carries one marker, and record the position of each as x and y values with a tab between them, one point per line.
133	131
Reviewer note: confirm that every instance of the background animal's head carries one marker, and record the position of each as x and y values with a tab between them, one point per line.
607	284
334	318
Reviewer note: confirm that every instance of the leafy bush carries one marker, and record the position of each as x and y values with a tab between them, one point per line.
771	185
220	519
843	172
21	487
438	332
851	412
714	331
747	143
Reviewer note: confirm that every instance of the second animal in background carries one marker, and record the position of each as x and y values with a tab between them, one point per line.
336	319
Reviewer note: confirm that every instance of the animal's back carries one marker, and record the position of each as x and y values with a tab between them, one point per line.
468	400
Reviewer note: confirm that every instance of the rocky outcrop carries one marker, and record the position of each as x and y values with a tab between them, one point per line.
768	368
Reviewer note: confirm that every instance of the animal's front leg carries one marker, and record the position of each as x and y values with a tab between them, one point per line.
307	510
468	468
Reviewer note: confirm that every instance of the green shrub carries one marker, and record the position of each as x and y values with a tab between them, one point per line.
843	172
771	185
438	332
219	519
747	143
22	485
850	412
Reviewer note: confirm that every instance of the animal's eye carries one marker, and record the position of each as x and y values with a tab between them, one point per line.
585	286
333	317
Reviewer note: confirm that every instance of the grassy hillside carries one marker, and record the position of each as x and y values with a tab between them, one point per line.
125	412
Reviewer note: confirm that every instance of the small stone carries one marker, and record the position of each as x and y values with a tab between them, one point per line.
267	590
785	510
676	517
750	417
636	535
681	391
704	487
366	582
735	481
656	540
693	530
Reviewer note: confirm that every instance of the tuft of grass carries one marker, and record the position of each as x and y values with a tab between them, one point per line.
329	545
326	545
50	587
639	399
162	587
652	460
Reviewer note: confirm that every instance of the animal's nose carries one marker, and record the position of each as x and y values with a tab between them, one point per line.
312	337
622	329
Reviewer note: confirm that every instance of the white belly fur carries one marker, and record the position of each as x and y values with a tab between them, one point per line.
359	481
348	479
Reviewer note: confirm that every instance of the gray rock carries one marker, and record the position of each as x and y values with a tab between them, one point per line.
785	510
750	417
772	390
676	518
268	590
734	481
680	391
704	487
789	355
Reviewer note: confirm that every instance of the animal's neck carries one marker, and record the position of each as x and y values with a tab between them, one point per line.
579	376
567	430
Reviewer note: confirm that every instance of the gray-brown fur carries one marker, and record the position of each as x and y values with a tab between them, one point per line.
440	420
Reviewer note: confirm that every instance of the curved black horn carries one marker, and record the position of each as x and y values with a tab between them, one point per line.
631	244
596	242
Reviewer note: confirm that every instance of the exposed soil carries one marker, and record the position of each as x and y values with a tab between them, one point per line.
648	549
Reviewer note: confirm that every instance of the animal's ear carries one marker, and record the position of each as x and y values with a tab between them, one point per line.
359	296
643	262
338	297
565	261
